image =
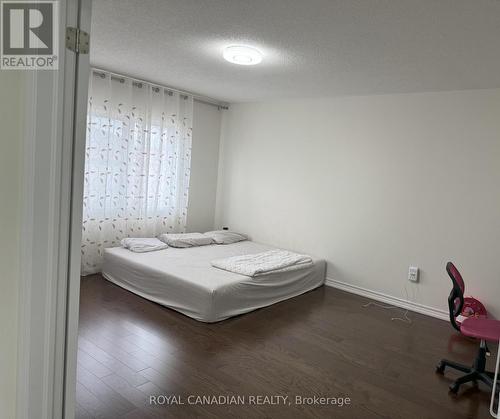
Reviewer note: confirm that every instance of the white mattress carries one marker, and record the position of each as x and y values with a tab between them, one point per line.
184	280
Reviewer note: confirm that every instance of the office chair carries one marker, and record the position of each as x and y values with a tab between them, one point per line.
480	328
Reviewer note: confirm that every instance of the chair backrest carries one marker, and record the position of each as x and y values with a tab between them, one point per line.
456	298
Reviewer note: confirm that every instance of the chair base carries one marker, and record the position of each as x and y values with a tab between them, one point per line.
472	374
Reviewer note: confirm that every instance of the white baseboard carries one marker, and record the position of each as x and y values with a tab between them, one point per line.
389	299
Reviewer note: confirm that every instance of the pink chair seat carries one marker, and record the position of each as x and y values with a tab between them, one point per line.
487	329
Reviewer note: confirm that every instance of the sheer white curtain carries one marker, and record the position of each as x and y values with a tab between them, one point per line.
137	168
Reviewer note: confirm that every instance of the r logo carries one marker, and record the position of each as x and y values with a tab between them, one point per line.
27	28
29	32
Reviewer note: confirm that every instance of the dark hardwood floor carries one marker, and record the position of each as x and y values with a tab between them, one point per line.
323	343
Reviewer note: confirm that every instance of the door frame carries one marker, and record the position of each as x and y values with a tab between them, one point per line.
52	197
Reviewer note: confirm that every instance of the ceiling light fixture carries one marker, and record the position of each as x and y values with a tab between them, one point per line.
242	55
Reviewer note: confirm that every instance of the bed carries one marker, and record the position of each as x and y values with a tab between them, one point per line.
184	280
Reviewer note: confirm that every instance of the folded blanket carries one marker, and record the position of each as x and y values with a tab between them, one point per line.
141	245
186	239
264	263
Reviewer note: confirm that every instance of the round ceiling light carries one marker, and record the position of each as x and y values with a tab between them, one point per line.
242	55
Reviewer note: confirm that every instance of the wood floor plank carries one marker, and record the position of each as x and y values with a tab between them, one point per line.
139	414
91	403
93	365
323	343
101	338
132	394
113	365
112	351
81	412
150	389
103	392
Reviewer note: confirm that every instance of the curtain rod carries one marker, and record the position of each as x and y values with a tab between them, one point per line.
198	98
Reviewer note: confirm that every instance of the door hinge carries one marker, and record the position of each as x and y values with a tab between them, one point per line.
77	40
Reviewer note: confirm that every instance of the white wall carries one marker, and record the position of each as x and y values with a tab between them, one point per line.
204	167
11	112
372	184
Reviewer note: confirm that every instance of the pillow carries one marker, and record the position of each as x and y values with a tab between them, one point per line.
186	239
141	245
226	237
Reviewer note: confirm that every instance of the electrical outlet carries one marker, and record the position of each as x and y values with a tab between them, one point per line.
413	274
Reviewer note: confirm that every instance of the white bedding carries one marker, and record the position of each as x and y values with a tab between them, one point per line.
225	236
184	280
182	240
265	263
142	245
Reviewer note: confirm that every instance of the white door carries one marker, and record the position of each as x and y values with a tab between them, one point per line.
80	130
54	143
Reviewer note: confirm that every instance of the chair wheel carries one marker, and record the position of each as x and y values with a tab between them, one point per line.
454	388
440	368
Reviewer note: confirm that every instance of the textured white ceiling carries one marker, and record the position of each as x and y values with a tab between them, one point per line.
311	47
